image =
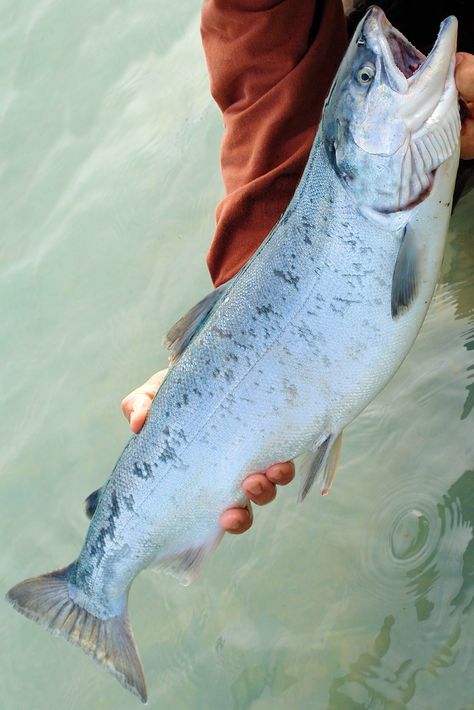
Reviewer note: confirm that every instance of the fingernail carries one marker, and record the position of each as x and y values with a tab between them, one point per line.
459	58
256	488
234	526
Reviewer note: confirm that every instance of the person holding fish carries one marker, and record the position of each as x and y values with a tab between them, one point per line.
263	77
279	359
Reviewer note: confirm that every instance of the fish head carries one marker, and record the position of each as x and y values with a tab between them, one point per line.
392	117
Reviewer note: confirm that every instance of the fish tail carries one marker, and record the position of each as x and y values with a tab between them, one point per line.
47	600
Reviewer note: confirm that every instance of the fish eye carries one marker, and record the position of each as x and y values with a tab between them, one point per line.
365	74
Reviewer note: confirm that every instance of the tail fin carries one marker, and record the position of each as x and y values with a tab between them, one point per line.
46	600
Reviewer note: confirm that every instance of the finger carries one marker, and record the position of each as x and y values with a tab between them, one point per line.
140	399
136	398
281	473
137	401
139	411
156	380
467	137
259	489
148	388
236	520
464	75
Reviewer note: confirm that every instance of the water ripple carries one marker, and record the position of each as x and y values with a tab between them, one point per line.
418	540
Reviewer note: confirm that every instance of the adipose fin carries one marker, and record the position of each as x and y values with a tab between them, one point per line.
92	501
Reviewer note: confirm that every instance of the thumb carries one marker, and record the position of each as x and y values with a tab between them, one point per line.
135	405
140	405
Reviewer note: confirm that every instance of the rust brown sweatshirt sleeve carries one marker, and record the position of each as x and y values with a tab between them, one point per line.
271	65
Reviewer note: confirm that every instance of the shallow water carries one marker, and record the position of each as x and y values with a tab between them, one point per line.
109	178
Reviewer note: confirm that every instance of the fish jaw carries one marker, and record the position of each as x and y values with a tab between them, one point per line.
386	136
431	88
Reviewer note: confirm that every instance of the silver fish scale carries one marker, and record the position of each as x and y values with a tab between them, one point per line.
298	346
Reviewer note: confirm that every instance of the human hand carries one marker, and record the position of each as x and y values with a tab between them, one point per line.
135	405
465	83
259	487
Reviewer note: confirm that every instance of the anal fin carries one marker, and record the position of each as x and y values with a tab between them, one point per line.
186	564
320	465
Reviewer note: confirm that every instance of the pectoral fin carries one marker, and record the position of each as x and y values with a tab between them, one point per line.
321	465
180	335
406	274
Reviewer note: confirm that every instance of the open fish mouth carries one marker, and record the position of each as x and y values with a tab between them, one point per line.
426	106
422	79
399	53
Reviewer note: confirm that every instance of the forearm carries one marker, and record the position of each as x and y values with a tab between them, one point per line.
271	66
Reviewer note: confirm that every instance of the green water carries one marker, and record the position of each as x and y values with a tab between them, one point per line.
108	181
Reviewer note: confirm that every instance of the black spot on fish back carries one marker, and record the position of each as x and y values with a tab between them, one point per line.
115	508
142	471
97	548
129	501
221	333
167	454
287	277
267	310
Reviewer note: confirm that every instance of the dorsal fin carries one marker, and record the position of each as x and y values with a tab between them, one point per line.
180	335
